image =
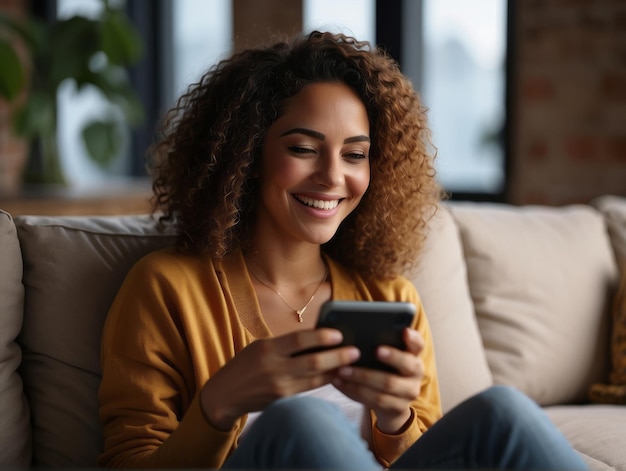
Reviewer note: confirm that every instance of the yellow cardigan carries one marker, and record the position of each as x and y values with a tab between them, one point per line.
175	322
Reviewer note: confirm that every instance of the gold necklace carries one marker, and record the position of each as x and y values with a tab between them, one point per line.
298	312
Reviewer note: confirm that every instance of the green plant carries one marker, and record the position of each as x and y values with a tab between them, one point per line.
92	52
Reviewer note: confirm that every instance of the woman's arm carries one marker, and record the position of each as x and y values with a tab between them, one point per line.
149	398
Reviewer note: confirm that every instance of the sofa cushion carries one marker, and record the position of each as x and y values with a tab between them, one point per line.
614	392
597	432
73	268
441	280
618	335
613	208
540	278
14	419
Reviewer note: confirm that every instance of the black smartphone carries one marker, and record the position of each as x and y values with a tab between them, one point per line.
368	324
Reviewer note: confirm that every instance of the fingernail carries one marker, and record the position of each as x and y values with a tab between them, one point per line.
354	354
383	352
345	372
336	336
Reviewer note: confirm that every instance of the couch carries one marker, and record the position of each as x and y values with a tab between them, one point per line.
517	295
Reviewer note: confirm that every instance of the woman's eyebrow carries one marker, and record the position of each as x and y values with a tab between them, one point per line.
306	132
361	138
319	136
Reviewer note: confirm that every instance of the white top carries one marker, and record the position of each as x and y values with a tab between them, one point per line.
354	411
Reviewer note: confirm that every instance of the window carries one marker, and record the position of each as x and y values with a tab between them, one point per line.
463	85
202	35
352	17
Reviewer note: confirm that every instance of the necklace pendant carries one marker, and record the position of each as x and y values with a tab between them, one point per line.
298	312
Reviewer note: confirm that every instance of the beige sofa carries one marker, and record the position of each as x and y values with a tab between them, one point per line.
515	295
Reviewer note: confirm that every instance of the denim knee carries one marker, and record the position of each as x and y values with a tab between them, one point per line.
509	404
296	411
302	432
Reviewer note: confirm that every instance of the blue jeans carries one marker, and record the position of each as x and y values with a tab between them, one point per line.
499	428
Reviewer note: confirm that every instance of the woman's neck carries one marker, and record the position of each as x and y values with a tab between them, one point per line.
282	267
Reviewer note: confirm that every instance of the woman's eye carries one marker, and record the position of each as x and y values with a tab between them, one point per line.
300	150
356	155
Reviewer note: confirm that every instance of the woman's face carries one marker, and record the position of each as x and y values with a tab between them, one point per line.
315	165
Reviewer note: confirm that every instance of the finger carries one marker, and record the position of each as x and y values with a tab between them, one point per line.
372	397
413	340
300	342
401	385
405	363
326	360
376	388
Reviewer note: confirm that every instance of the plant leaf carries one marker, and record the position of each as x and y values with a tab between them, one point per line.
12	77
120	40
37	117
22	29
103	141
75	41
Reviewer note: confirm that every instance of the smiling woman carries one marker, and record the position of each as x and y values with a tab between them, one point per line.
295	174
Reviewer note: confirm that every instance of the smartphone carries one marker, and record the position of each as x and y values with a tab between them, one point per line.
368	324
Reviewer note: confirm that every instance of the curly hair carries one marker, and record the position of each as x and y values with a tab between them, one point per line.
211	144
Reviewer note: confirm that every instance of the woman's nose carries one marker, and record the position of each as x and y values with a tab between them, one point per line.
330	171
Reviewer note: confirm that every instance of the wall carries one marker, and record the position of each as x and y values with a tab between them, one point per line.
261	22
569	120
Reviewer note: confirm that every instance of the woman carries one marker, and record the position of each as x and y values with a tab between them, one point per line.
295	174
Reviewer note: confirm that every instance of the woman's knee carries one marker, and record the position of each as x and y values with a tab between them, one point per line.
507	405
296	411
499	396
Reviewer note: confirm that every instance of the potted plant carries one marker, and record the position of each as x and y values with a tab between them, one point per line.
92	52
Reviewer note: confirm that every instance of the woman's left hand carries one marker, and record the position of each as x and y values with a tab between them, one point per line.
389	395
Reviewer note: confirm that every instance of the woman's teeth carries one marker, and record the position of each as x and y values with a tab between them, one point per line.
318	204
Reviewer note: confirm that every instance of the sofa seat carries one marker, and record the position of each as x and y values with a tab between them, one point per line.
597	432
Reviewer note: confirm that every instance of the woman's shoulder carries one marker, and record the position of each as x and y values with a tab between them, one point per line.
397	286
170	262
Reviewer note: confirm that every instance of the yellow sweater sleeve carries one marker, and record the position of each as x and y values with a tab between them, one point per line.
155	358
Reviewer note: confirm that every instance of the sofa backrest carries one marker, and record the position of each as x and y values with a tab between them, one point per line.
541	279
613	208
73	267
14	418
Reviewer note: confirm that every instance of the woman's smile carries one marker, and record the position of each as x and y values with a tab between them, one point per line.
325	205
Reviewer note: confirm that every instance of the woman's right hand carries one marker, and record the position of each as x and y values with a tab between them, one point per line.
267	370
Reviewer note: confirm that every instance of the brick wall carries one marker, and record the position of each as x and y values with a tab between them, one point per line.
569	121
